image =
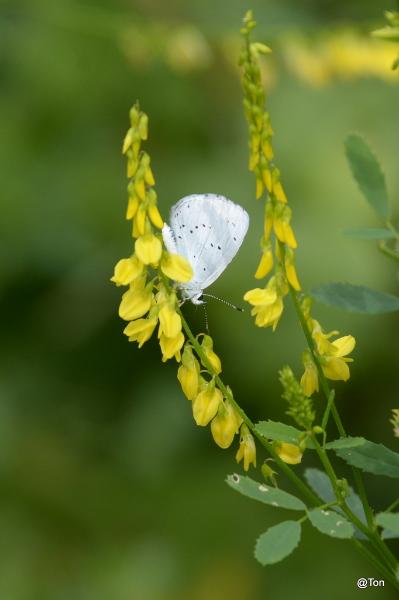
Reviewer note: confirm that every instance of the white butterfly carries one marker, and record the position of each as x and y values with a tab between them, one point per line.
208	230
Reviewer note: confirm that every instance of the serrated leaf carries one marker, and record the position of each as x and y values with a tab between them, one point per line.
320	483
369	233
277	542
331	523
345	442
356	298
368	174
372	458
273	430
389	521
264	493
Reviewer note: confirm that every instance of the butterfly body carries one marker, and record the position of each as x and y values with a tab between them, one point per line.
208	230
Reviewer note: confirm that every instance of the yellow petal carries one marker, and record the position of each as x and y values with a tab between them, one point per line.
336	369
126	270
189	381
224	426
140	330
135	304
176	267
344	345
155	216
171	347
265	264
261	296
148	249
206	404
289	453
170	321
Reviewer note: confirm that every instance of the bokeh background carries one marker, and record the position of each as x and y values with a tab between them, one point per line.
108	489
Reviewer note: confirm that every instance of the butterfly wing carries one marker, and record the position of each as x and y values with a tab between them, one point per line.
208	230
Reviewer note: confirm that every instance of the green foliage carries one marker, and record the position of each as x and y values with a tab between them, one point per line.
390	521
277	542
368	174
370	233
273	430
300	407
331	523
346	442
372	458
356	298
264	493
321	485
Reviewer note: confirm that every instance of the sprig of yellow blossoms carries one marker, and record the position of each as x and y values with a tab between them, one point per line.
279	243
151	274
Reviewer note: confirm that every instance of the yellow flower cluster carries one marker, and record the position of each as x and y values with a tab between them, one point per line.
151	301
148	301
210	405
267	302
332	357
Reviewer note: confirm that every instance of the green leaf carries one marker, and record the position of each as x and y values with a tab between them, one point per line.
368	174
369	233
272	430
386	534
388	521
356	298
320	483
372	458
264	493
331	523
277	542
389	34
345	442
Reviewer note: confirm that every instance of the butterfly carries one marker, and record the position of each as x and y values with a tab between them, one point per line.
208	230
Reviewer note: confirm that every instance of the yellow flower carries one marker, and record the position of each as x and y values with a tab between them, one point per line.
261	297
126	270
171	347
207	345
310	379
290	269
169	321
140	330
206	404
176	267
247	448
132	207
188	373
282	227
289	453
268	316
155	216
136	301
266	262
148	249
225	425
334	359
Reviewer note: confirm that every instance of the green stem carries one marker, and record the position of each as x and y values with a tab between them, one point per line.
331	407
326	415
368	531
375	562
392	506
307	493
383	247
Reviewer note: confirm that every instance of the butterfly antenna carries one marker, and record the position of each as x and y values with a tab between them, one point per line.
224	302
206	319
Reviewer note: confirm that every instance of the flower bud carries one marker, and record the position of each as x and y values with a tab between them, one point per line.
126	270
206	404
148	249
225	425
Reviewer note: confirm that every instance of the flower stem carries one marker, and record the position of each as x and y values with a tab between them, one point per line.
304	489
331	407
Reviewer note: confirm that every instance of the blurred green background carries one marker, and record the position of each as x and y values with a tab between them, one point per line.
108	489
